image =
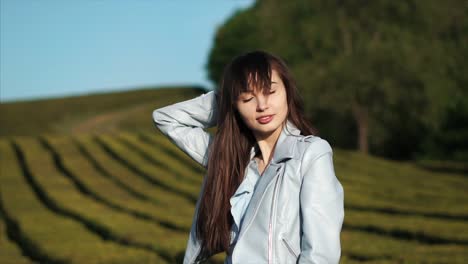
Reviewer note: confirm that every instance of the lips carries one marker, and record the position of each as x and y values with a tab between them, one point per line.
265	119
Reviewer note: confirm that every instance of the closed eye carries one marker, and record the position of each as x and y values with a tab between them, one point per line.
247	100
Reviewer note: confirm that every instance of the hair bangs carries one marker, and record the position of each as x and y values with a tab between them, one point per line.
253	75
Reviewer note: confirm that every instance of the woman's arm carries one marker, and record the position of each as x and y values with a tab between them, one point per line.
322	206
184	123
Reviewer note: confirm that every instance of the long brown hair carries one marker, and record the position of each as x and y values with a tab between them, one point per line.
230	149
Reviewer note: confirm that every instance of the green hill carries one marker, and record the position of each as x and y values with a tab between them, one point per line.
90	180
97	112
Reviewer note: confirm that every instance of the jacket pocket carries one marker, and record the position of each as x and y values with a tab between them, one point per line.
290	249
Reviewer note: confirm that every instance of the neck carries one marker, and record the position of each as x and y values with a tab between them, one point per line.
267	144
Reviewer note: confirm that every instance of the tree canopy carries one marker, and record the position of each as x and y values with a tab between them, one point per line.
390	67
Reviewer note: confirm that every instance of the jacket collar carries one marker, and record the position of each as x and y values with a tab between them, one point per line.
285	146
285	149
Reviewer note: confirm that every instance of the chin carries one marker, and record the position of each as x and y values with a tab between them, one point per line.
266	129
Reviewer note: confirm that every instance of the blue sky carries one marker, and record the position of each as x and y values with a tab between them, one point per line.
61	48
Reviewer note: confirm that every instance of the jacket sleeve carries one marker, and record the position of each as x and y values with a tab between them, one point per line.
184	123
322	206
193	244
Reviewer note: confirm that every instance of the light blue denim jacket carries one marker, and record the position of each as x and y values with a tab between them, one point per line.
242	196
296	212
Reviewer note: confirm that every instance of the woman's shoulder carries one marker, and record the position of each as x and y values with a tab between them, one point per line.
311	146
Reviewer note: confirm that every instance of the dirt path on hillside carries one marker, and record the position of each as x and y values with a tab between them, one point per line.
105	122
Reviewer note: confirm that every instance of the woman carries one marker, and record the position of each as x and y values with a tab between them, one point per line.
270	194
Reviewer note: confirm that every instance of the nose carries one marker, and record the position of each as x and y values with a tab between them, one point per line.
262	102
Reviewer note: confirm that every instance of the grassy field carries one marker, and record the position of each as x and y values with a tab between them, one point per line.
117	191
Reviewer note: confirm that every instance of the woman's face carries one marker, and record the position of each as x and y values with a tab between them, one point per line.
264	113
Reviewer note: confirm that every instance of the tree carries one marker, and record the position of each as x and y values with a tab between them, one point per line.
237	35
388	63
